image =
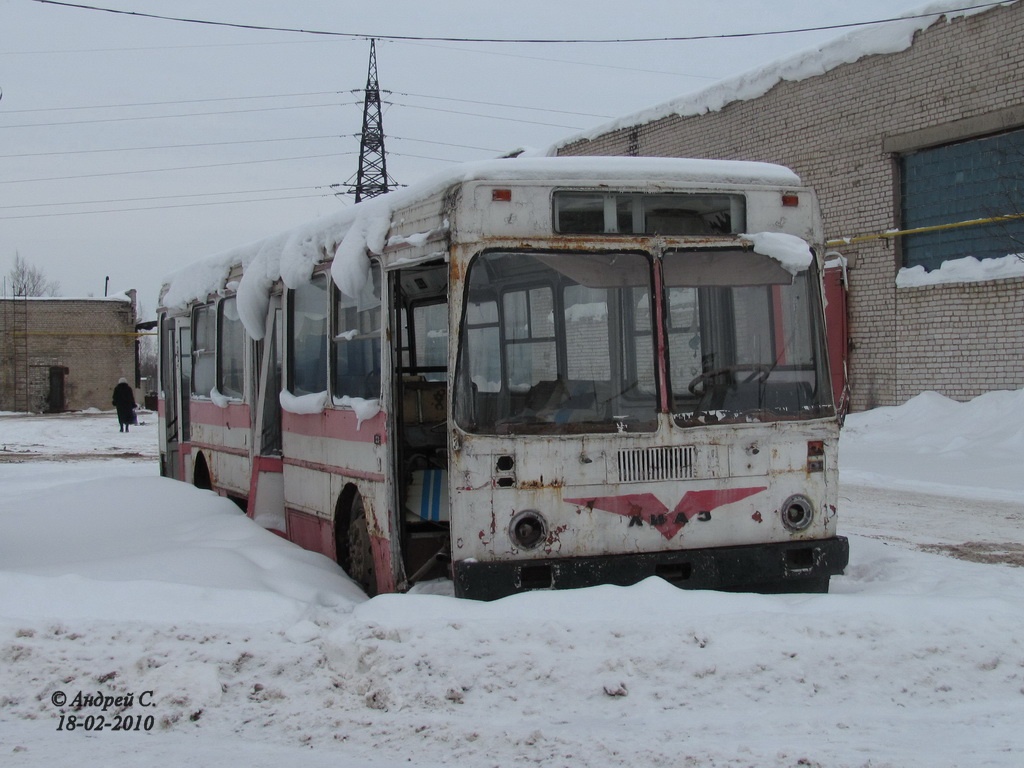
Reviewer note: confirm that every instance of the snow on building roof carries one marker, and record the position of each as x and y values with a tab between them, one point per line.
890	37
122	297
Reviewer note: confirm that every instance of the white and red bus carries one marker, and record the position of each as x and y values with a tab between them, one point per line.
524	374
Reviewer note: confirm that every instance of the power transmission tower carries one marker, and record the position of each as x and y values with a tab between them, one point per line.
372	177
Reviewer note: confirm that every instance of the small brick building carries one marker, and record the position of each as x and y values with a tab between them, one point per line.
60	354
923	130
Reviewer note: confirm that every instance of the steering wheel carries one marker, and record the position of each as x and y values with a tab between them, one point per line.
759	371
703	378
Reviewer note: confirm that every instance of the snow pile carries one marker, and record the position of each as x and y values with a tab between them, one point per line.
365	409
152	549
934	443
114	581
965	270
875	39
790	251
304	405
221	401
314	402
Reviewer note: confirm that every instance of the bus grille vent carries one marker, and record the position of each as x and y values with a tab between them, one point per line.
647	465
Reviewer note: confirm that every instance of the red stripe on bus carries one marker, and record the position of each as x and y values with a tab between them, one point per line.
234	416
222	449
337	424
355	474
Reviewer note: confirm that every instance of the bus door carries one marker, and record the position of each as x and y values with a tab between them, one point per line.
836	326
178	399
420	406
266	491
169	384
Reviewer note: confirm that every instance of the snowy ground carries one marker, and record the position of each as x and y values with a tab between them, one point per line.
114	581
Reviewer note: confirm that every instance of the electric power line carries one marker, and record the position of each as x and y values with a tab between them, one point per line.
542	41
180	168
498	104
232	143
559	61
492	117
271	96
177	102
166	146
187	114
158	197
165	207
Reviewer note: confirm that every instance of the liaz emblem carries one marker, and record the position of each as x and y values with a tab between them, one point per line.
647	508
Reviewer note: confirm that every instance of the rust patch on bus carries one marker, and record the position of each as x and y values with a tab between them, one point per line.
537	485
553	542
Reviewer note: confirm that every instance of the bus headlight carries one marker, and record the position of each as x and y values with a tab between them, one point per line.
797	512
528	529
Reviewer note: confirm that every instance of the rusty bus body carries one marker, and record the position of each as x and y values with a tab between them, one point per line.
541	373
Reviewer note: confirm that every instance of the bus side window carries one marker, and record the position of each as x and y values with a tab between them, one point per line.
430	323
357	341
307	352
204	348
230	350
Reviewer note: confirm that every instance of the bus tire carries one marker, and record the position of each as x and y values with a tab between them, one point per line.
355	552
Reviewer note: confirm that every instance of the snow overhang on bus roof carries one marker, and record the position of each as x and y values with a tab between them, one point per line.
351	234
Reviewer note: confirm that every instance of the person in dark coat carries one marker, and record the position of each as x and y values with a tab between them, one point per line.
124	402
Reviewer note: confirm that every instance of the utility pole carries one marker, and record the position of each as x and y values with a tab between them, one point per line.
372	177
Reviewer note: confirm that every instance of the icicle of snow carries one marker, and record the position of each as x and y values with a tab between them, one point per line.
790	251
300	254
254	294
304	404
376	229
364	409
221	401
351	267
199	280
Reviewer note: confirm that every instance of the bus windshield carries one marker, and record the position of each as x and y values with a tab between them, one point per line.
564	343
745	339
557	343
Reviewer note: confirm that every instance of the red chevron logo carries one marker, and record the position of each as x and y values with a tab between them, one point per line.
648	508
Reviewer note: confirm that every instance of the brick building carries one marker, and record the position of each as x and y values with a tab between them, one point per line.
61	354
894	133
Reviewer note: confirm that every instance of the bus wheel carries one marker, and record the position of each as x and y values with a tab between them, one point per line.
360	553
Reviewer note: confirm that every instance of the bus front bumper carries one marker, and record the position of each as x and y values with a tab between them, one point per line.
798	566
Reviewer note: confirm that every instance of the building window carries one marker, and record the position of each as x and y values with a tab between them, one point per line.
975	179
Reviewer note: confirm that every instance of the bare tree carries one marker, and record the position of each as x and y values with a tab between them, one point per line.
28	280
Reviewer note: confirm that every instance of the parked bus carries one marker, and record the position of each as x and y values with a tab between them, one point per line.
523	374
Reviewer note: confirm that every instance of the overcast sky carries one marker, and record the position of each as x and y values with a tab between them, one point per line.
132	146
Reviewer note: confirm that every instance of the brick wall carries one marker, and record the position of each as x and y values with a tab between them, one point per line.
956	339
92	338
839	131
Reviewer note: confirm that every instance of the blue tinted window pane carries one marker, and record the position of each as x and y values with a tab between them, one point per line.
974	179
